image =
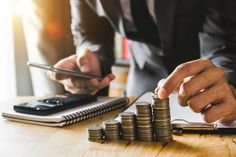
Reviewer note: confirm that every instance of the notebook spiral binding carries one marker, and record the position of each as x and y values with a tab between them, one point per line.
94	111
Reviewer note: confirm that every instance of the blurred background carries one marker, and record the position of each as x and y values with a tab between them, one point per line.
35	30
39	31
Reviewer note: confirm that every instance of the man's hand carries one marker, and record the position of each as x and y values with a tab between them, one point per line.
86	62
203	87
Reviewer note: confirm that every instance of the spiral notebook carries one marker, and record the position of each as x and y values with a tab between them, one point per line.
183	118
70	116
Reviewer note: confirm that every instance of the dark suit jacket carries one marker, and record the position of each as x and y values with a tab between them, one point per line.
188	29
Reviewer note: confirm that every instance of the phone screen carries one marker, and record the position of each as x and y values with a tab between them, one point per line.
54	104
64	71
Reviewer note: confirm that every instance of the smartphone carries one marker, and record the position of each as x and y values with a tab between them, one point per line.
66	72
54	104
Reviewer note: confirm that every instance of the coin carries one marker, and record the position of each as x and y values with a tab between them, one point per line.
95	132
144	121
128	126
165	140
158	122
161	119
112	130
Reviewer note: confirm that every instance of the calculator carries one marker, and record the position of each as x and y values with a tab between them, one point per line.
54	104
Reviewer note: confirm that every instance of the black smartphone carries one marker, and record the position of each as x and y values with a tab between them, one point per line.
54	104
64	71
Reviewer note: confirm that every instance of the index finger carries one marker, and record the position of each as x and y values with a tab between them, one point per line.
56	76
182	71
104	82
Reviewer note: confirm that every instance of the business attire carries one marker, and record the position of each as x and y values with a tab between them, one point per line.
163	34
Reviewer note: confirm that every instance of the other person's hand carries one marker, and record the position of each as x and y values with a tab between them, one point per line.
203	87
86	62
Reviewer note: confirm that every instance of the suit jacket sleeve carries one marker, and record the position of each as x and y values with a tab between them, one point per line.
93	32
218	39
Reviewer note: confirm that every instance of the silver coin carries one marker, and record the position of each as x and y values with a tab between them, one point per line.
111	122
142	104
95	127
127	114
161	115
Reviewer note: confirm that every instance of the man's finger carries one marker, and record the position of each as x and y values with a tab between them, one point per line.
67	63
83	61
56	77
228	119
202	81
84	64
198	83
182	71
215	112
202	100
106	81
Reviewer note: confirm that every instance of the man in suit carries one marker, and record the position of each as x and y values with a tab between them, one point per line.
164	34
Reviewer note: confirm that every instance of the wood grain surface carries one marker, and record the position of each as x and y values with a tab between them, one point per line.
19	139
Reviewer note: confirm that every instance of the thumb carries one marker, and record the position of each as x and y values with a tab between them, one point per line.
83	61
85	68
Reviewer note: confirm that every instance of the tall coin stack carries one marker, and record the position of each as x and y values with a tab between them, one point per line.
128	127
112	130
161	115
95	133
144	121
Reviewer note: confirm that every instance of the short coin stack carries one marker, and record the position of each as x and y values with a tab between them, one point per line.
128	127
144	121
95	132
161	115
112	130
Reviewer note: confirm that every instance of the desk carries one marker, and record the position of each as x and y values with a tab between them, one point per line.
19	139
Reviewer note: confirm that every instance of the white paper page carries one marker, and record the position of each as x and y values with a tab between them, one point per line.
179	113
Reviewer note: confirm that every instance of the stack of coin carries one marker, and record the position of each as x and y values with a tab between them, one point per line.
128	125
95	133
112	130
144	121
161	116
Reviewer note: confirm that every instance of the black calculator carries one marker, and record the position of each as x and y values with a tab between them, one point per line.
54	104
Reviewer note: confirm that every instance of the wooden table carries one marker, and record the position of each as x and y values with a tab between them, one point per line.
19	139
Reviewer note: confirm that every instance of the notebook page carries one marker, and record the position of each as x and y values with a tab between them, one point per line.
182	116
179	114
